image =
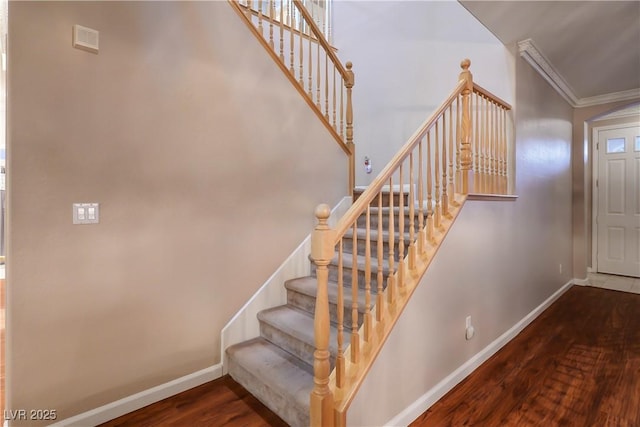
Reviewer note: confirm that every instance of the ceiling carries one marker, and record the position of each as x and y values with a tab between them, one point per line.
593	47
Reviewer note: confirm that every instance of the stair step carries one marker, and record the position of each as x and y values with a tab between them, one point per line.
301	293
292	330
357	192
373	217
361	234
274	377
347	262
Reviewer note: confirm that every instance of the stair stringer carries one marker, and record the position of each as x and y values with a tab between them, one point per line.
244	325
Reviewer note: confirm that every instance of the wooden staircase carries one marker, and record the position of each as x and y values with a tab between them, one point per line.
277	367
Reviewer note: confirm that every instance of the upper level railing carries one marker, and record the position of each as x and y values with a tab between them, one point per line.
412	202
292	36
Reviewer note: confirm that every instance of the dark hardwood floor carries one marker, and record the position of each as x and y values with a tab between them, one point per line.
222	402
577	364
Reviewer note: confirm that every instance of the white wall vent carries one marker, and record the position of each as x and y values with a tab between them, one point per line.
85	38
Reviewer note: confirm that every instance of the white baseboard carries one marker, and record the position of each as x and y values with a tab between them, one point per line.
136	401
581	282
425	401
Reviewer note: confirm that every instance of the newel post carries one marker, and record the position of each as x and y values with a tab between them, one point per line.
466	154
322	251
348	83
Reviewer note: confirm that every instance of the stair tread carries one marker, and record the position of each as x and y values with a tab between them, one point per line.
308	285
273	366
298	324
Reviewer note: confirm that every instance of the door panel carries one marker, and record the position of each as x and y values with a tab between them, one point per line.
618	215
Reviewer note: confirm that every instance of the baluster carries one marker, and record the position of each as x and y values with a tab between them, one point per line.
430	220
458	140
342	89
367	277
505	154
326	85
400	230
300	22
291	32
282	31
322	249
391	280
436	167
334	123
260	27
452	201
412	232
340	362
477	143
493	147
465	148
318	76
248	11
352	149
487	144
380	253
421	230
310	90
445	196
355	337
271	8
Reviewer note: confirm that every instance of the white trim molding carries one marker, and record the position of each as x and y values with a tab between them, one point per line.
139	400
530	53
425	401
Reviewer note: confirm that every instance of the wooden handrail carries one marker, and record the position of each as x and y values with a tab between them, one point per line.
374	188
484	92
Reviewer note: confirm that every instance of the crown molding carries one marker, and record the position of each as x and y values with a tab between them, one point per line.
530	53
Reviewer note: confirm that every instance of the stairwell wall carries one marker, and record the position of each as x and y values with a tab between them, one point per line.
406	57
499	264
207	165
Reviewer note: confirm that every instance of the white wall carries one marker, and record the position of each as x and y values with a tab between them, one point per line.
406	57
499	262
208	166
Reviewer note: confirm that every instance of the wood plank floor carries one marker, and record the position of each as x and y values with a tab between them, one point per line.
578	365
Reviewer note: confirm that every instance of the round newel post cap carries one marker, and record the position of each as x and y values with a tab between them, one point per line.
465	64
349	65
323	211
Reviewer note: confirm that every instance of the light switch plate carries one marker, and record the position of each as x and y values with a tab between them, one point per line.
86	213
86	38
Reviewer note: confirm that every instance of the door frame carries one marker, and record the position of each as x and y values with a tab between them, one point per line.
594	188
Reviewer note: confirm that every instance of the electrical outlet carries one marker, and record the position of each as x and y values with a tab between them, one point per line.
560	268
469	330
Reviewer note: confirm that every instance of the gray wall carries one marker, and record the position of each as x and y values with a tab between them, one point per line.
207	165
498	263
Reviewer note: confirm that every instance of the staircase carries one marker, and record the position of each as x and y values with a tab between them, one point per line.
277	367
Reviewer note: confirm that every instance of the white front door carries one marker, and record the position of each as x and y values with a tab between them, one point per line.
618	216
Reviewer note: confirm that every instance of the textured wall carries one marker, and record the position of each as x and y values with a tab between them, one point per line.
207	164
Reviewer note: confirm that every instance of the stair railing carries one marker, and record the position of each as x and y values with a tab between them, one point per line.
430	176
291	35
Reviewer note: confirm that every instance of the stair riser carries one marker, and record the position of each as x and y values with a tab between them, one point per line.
385	198
347	276
294	416
298	348
373	220
307	303
362	243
